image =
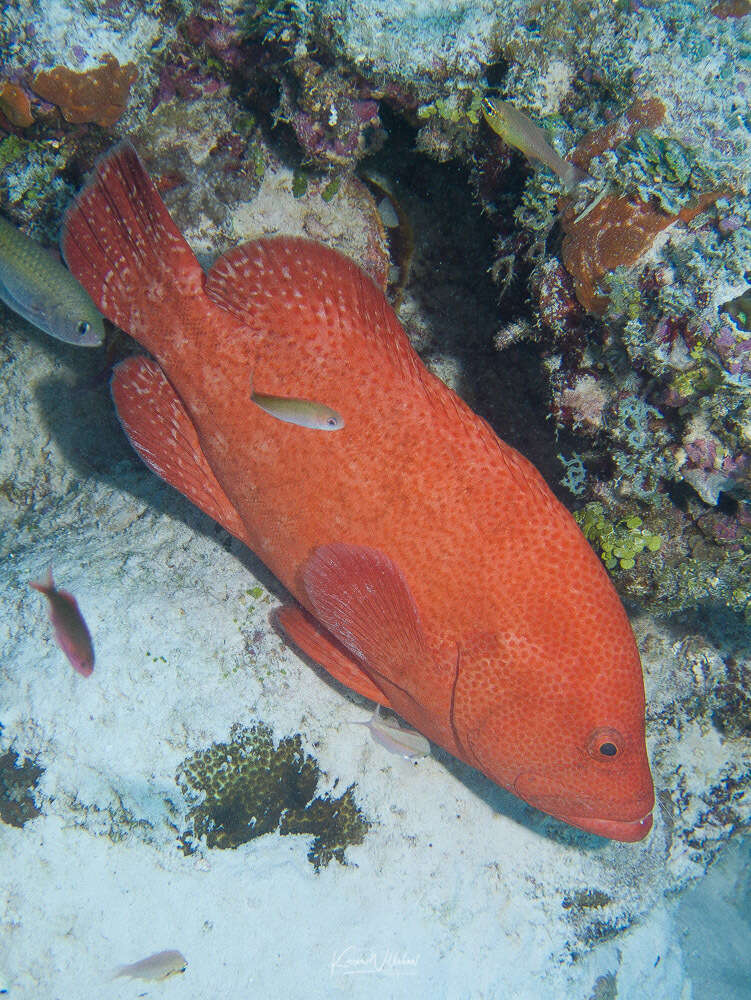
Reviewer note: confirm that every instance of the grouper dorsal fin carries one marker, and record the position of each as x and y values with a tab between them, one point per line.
303	291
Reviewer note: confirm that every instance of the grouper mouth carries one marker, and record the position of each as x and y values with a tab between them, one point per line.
630	822
628	832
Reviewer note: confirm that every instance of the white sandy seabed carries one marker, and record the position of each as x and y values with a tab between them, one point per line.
458	890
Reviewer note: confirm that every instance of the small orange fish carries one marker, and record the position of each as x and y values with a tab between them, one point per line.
435	571
71	633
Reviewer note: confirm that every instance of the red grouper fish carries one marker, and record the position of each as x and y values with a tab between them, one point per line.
435	571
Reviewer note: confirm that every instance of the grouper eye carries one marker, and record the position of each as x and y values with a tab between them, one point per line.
605	744
83	328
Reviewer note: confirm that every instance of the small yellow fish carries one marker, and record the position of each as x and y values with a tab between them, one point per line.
303	412
154	968
521	132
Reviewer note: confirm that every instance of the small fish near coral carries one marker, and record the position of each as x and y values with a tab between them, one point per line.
435	571
521	132
37	286
71	633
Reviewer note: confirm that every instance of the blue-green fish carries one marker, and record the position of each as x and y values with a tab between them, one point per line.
42	290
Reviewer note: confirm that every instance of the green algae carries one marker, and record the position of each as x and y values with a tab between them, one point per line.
248	787
619	543
11	149
257	160
18	780
659	169
456	108
299	183
331	189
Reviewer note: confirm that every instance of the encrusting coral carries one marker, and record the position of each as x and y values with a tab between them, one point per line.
18	779
95	95
618	229
15	105
249	786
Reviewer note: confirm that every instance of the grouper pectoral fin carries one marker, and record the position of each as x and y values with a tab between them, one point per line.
309	636
361	596
161	431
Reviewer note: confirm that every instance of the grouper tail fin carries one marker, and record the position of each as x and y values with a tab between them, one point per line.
121	244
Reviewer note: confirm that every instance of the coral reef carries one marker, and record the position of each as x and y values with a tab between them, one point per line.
95	95
249	786
707	693
731	8
649	367
32	181
334	117
615	233
15	105
662	184
18	779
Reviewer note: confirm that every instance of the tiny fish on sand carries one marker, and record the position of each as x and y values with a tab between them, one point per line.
303	412
155	967
521	132
405	742
71	633
38	287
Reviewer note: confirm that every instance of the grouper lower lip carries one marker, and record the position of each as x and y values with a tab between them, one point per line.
630	820
628	832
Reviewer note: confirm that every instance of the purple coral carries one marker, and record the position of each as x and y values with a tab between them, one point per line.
223	41
337	135
734	351
184	79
